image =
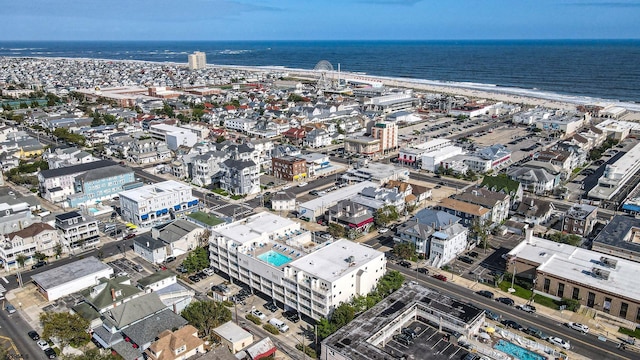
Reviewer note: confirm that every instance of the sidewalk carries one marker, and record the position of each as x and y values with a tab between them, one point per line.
604	331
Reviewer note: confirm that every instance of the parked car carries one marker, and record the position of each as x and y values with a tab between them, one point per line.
43	344
202	275
138	267
383	230
33	335
130	236
303	184
535	333
313	192
409	332
50	353
512	324
491	315
423	270
506	301
38	264
259	314
271	307
578	327
473	254
209	271
194	278
291	315
405	264
559	342
527	308
403	339
170	259
10	309
466	259
486	293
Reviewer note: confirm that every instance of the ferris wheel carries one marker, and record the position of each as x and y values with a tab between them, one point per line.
323	66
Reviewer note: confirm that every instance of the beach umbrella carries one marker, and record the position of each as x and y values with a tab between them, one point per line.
485	336
490	330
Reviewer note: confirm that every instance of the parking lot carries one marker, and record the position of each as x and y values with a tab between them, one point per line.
126	267
427	340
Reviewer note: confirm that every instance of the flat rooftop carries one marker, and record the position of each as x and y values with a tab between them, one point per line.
69	272
334	260
619	173
580	266
356	340
150	191
619	233
333	197
256	227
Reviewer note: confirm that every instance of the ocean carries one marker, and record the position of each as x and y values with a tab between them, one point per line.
593	69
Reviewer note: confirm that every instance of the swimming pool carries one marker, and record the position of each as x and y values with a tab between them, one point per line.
93	210
517	351
274	258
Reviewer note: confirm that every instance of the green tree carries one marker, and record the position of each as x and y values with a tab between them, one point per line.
69	329
21	259
337	230
343	315
385	215
58	250
97	120
206	315
40	256
220	139
404	250
325	328
481	231
295	98
52	99
197	260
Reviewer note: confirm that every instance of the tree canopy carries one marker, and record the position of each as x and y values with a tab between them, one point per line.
93	354
405	250
206	315
385	215
69	329
197	260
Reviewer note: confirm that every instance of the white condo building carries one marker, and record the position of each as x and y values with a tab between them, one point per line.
197	60
275	256
174	136
158	203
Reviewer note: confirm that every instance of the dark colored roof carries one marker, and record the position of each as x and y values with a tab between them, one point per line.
68	215
31	230
105	172
238	164
70	170
617	231
147	330
146	241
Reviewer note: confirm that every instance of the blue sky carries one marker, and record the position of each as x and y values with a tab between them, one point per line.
318	19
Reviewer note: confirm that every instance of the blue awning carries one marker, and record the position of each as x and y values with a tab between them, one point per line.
164	211
159	212
195	202
144	217
176	207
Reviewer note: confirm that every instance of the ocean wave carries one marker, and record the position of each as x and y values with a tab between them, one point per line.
234	52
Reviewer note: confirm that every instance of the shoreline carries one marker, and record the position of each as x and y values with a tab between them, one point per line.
513	95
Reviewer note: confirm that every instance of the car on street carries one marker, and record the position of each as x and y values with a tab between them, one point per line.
10	309
271	307
313	192
486	293
43	344
527	308
512	324
194	278
38	264
423	270
259	314
303	184
578	327
559	342
383	230
33	335
405	264
50	353
170	259
286	187
138	267
506	301
129	236
440	277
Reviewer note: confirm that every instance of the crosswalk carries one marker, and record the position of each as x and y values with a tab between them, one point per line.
2	289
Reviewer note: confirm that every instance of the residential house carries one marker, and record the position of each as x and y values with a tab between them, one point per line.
532	211
180	236
317	138
502	183
283	201
351	215
240	177
37	237
206	169
164	283
295	136
55	185
64	157
17	213
109	293
234	337
176	345
536	177
580	219
148	151
498	203
470	213
78	231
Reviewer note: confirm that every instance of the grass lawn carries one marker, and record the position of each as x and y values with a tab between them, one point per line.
520	291
635	333
220	192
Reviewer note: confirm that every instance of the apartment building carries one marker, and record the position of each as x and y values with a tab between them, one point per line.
197	60
100	184
57	184
158	203
387	132
275	256
174	136
289	168
38	237
78	231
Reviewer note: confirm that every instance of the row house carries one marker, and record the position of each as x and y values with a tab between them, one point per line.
532	211
317	138
78	231
240	177
148	151
498	203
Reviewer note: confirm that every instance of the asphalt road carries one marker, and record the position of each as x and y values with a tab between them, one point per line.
587	345
14	327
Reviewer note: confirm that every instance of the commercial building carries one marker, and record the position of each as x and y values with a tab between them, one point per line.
197	60
387	133
620	238
432	160
413	153
78	231
275	256
289	168
70	278
616	175
318	206
362	145
376	172
174	136
601	282
317	164
390	103
283	201
233	336
158	203
580	219
370	335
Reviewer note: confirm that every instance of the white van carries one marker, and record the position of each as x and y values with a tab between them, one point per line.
279	324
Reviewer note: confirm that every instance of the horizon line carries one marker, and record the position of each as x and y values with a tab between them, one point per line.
318	40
